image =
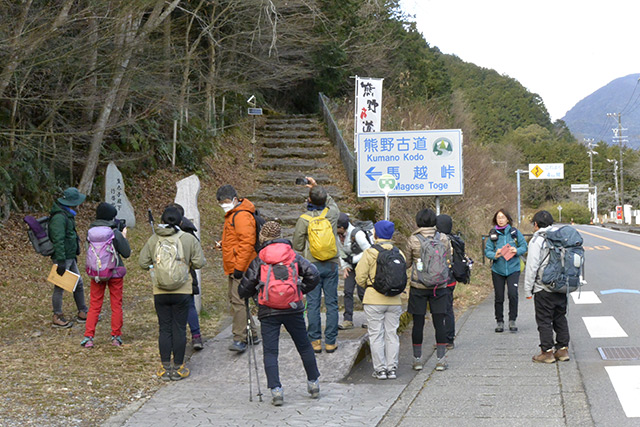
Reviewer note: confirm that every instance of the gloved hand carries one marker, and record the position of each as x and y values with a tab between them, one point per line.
61	267
237	274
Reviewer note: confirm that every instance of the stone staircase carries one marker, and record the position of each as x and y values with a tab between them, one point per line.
291	147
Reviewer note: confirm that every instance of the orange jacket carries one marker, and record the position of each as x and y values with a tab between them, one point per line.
239	237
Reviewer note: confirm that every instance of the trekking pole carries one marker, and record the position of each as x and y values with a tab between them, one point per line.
249	339
252	350
151	220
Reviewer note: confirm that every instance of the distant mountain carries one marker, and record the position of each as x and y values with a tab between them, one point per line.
588	118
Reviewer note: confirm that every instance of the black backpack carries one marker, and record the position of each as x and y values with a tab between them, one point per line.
38	233
367	228
563	272
259	223
391	271
460	265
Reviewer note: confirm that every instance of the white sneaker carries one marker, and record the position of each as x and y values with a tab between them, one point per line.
380	375
391	374
417	364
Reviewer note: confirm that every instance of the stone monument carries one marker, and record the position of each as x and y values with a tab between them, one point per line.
114	194
187	197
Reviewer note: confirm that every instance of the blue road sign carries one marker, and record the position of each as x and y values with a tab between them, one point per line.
424	163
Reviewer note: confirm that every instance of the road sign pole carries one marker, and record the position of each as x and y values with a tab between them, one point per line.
386	207
518	172
437	205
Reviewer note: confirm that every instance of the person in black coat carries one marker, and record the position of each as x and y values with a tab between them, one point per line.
277	257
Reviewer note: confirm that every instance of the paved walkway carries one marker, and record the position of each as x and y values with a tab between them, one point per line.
490	381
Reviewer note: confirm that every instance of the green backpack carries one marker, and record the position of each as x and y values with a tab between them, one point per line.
171	270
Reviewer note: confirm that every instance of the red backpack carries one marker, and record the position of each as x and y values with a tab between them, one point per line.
279	277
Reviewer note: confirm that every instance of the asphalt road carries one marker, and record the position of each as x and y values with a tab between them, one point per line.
606	316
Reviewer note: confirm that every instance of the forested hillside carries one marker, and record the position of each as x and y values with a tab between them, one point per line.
86	82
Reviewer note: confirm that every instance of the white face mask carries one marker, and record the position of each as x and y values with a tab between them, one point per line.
226	207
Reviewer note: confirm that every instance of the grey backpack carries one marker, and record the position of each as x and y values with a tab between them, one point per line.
566	260
432	269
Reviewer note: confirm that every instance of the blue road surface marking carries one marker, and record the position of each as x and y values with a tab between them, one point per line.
620	291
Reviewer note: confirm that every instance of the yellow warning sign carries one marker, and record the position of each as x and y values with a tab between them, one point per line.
537	171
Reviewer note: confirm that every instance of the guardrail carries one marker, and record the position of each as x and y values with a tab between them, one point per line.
335	135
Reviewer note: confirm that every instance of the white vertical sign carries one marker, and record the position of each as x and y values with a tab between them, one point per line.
368	106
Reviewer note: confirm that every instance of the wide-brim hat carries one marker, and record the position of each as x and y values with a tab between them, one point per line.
72	197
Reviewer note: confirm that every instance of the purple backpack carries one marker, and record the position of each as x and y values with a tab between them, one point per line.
101	258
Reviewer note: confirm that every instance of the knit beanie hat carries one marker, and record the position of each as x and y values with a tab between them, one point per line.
171	216
269	231
106	211
343	220
384	229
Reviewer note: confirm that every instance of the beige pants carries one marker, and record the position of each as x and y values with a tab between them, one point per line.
239	313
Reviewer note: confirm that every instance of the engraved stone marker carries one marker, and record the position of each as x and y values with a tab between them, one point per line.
114	194
187	197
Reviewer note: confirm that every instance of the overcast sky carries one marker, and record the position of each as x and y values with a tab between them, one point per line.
563	50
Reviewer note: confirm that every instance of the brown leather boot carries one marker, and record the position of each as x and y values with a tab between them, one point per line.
562	354
60	322
545	357
317	346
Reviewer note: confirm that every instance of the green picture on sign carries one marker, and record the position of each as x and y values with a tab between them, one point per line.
442	147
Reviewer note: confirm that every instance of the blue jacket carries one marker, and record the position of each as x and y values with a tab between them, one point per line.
500	266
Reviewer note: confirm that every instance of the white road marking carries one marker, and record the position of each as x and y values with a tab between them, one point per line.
626	382
585	297
604	327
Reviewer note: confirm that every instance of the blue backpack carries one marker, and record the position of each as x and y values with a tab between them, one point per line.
566	260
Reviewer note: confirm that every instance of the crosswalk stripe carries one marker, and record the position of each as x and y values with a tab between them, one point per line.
626	383
603	327
585	297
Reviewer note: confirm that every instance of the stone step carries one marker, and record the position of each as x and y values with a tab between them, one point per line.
286	126
302	118
304	153
282	177
287	193
302	166
292	134
287	214
297	142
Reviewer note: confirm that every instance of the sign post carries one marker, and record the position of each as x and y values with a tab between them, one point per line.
386	183
368	106
560	213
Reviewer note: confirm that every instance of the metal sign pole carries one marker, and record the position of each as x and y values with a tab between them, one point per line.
386	207
437	205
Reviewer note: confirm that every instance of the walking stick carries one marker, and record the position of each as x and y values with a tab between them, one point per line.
252	352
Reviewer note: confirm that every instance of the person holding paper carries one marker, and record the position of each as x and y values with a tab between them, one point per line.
63	235
504	247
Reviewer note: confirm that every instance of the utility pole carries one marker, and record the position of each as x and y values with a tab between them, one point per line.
615	177
518	172
589	143
619	138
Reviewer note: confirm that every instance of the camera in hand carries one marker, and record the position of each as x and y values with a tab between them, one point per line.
302	181
121	223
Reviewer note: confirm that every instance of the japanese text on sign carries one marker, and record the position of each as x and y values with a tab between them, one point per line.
368	105
423	163
546	170
115	198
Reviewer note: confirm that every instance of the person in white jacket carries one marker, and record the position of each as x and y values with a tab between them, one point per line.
349	258
550	307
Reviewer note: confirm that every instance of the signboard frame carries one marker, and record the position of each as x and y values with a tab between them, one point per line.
546	170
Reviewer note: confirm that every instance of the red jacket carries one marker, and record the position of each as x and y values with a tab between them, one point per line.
239	237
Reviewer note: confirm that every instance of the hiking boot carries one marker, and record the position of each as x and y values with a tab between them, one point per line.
277	396
238	346
87	342
164	372
500	327
330	348
544	357
181	373
380	375
317	346
313	388
60	322
417	364
81	317
442	364
391	374
451	346
347	324
512	326
562	354
116	340
196	342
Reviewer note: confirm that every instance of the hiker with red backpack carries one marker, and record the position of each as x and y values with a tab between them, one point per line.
106	246
382	272
280	277
428	257
169	254
239	236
